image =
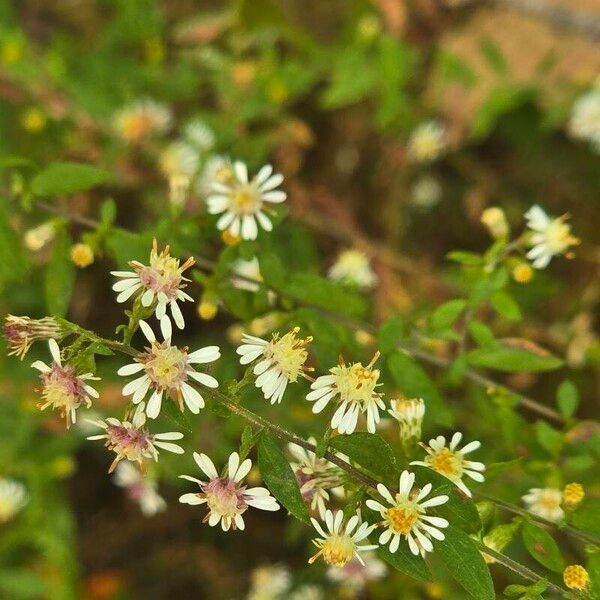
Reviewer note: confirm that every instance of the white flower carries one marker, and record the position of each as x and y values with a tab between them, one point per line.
281	361
352	267
353	387
427	141
140	489
227	499
142	118
246	270
198	133
167	369
585	118
216	169
162	281
409	414
426	192
130	440
35	239
13	497
339	544
269	582
450	461
406	516
545	503
550	237
354	576
307	592
179	158
62	388
316	476
242	201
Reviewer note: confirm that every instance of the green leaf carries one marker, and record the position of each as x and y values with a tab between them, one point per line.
390	334
125	246
271	269
279	477
414	382
446	314
370	451
67	178
513	360
405	561
465	258
482	334
542	547
567	398
505	305
250	436
10	246
465	563
352	79
549	438
59	276
494	56
586	516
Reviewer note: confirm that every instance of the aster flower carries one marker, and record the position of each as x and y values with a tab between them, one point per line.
142	490
216	169
62	388
281	361
545	503
199	133
409	414
585	118
352	267
21	332
353	388
131	440
427	142
242	201
450	461
355	576
167	369
243	271
426	192
550	237
35	239
269	582
13	497
161	281
339	543
316	476
405	515
179	158
142	118
226	498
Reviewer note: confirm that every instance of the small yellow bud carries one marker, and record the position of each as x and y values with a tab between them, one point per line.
364	338
33	120
495	221
82	255
207	310
278	92
230	239
522	272
576	578
63	466
573	494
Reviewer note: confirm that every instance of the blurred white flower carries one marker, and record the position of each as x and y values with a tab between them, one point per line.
179	159
409	414
216	169
200	134
585	118
142	118
354	576
427	142
13	497
307	592
246	270
545	503
269	582
35	239
140	489
352	267
426	192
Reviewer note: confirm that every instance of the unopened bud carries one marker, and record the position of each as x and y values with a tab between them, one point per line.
409	414
495	221
21	332
35	239
576	578
573	494
207	310
82	255
522	272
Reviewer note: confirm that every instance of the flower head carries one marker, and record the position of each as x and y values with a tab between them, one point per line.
281	361
269	582
35	239
140	489
179	158
427	141
131	440
216	170
495	221
161	281
226	498
573	494
242	201
585	118
409	414
545	503
549	237
340	543
199	133
353	387
167	369
576	578
13	497
246	275
21	332
62	388
450	461
354	575
405	516
141	119
82	255
426	192
352	267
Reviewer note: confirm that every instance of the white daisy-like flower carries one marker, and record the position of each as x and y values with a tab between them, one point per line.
450	461
585	118
405	515
246	275
340	543
353	388
316	477
142	490
281	361
167	369
226	498
550	237
161	281
13	497
242	201
130	440
62	388
142	118
269	582
427	142
35	239
352	267
216	169
545	503
355	576
409	413
179	159
199	133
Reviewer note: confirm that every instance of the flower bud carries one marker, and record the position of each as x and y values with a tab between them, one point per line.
35	239
207	309
576	578
21	332
573	494
409	414
495	221
82	255
522	272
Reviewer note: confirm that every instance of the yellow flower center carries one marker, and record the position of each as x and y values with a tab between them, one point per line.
166	366
447	463
573	494
134	127
550	502
338	550
576	578
402	518
558	236
356	383
246	200
289	353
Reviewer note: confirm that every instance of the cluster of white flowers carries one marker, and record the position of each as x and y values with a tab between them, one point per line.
585	118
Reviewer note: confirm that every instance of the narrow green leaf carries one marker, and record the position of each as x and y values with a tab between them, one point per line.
446	314
567	398
279	477
67	178
59	276
481	333
542	547
505	305
465	258
513	360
